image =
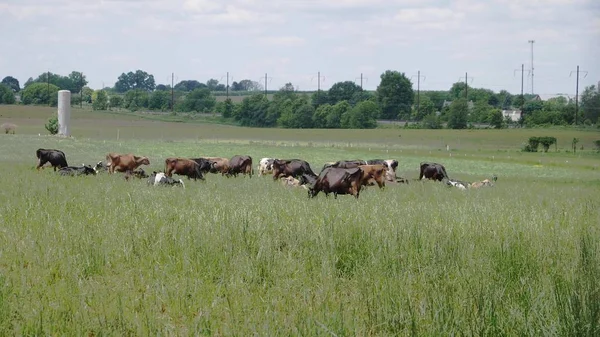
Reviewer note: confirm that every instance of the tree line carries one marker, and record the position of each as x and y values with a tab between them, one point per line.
344	105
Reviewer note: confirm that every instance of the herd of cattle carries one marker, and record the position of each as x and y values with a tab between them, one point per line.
341	177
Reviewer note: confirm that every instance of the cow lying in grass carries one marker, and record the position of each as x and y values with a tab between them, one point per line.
77	171
160	178
461	185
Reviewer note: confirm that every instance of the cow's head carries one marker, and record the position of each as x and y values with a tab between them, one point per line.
278	168
144	161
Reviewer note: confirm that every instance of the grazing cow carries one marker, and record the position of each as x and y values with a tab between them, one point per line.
291	167
77	171
391	164
265	166
160	178
337	181
433	171
183	167
124	162
240	164
137	173
374	174
345	164
218	165
56	158
205	164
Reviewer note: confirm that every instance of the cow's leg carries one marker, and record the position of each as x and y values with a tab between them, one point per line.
40	164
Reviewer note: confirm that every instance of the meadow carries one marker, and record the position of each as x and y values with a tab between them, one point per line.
247	256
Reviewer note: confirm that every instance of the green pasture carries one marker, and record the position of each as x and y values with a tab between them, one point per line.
239	256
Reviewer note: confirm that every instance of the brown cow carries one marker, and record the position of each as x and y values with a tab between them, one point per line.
124	162
218	165
291	167
184	167
337	181
374	174
240	164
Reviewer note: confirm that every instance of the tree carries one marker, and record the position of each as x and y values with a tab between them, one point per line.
52	125
199	100
159	100
362	116
432	121
78	81
426	107
220	87
252	111
590	104
87	94
212	84
140	80
496	119
101	100
135	99
7	96
505	100
394	94
189	85
246	85
458	90
343	91
28	82
320	115
298	115
40	93
226	108
458	114
12	83
481	112
116	101
334	118
319	98
162	87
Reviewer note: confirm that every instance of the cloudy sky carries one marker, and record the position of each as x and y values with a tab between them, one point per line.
292	40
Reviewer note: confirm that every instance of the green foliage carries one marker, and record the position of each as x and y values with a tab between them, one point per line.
534	143
12	83
40	93
7	96
199	100
574	144
497	119
73	82
189	85
139	80
227	108
299	115
52	125
597	145
458	114
253	111
395	95
432	121
116	101
481	112
426	107
343	91
101	100
159	100
362	116
590	104
319	98
135	99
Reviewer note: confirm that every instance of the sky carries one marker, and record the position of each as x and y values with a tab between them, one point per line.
294	40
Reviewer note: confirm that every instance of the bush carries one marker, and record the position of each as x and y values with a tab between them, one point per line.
597	144
40	93
534	143
52	125
7	96
9	128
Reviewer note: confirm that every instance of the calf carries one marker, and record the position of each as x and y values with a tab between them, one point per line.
160	178
77	171
138	173
265	166
391	164
56	158
374	174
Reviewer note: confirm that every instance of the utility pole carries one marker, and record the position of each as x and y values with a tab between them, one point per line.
466	85
522	70
419	90
531	42
361	78
81	90
577	92
48	86
319	82
265	84
227	88
172	91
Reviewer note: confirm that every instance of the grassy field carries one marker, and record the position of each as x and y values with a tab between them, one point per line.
102	256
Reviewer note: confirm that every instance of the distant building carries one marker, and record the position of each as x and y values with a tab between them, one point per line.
514	115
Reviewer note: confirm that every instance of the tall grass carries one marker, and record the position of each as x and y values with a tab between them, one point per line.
101	256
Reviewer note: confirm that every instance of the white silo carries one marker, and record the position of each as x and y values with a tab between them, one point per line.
64	113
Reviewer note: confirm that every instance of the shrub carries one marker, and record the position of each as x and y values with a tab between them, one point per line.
534	143
9	128
597	144
52	125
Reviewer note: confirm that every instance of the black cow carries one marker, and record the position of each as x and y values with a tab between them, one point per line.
291	167
137	173
77	171
160	178
337	181
433	171
345	164
240	164
56	158
205	164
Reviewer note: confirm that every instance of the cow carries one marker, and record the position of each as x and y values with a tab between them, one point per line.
345	164
77	170
218	165
484	183
374	174
337	181
265	166
205	164
101	166
433	171
56	158
291	167
183	167
124	162
137	173
240	164
391	164
293	182
461	185
160	178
